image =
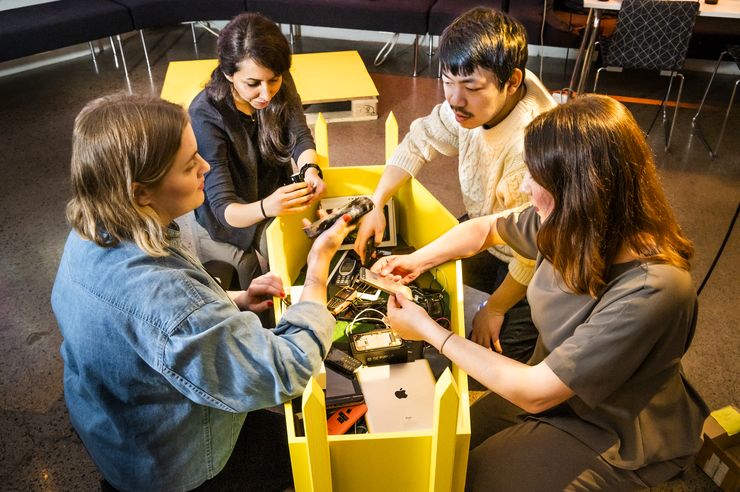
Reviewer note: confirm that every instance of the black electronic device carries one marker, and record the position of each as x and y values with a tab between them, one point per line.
341	300
378	347
341	390
355	208
371	253
342	362
346	271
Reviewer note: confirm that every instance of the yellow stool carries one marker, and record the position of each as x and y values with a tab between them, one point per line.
320	78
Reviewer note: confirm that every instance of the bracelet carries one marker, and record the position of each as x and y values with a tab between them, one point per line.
443	343
262	207
308	166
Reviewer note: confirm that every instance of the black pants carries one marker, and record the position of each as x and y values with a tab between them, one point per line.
518	335
260	461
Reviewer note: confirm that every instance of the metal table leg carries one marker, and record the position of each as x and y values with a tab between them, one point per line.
589	52
581	52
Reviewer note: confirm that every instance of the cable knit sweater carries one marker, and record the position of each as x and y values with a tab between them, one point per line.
491	161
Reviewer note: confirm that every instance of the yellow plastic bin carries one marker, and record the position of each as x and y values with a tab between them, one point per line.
400	461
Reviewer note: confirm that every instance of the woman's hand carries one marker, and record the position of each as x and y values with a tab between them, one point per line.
486	328
323	250
408	318
401	268
288	199
316	186
259	294
327	243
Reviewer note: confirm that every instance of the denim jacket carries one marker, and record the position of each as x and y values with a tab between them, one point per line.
160	367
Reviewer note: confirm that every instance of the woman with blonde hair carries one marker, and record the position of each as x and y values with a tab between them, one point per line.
166	375
603	403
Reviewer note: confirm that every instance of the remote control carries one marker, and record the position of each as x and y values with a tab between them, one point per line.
355	208
342	362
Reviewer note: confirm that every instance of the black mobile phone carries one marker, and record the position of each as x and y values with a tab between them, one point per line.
355	208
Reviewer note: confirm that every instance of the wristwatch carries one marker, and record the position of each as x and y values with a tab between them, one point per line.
308	166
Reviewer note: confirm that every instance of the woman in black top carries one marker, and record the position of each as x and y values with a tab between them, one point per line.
250	127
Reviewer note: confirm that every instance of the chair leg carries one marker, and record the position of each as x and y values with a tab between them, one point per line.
431	48
675	111
113	49
123	62
596	78
192	31
146	57
695	119
291	36
724	123
416	55
94	59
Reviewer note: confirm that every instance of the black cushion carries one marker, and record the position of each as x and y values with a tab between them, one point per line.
159	13
443	12
404	16
43	27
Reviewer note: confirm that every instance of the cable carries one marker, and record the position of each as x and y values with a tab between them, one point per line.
719	253
382	319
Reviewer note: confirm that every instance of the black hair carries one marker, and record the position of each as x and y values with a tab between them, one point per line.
252	36
486	38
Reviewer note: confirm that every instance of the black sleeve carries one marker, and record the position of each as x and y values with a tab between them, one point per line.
213	146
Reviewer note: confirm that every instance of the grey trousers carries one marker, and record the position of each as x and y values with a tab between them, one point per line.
248	264
509	453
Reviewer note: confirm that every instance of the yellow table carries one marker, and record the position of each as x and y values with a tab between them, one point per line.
320	78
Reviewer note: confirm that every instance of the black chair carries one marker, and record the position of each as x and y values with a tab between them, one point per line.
396	16
651	35
734	51
43	27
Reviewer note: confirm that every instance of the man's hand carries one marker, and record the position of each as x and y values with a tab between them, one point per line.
372	225
259	294
486	328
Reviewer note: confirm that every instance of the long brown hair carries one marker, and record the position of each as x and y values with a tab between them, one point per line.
118	140
592	157
252	36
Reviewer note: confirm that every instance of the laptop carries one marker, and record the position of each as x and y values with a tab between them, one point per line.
399	397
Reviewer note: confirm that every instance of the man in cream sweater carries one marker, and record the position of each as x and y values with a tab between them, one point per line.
490	97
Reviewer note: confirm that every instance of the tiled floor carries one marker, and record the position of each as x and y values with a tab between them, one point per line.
40	452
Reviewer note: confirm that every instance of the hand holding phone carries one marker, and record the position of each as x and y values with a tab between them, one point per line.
355	208
385	284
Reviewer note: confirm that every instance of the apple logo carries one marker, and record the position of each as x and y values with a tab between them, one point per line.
401	394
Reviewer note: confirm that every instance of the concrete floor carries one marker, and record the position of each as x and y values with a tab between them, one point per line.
39	450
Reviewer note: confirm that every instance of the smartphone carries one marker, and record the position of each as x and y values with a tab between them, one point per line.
355	208
385	284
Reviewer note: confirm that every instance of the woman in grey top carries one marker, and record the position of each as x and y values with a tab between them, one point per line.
603	403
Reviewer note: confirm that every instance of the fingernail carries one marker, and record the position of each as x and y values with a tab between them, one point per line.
347	218
270	303
282	294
